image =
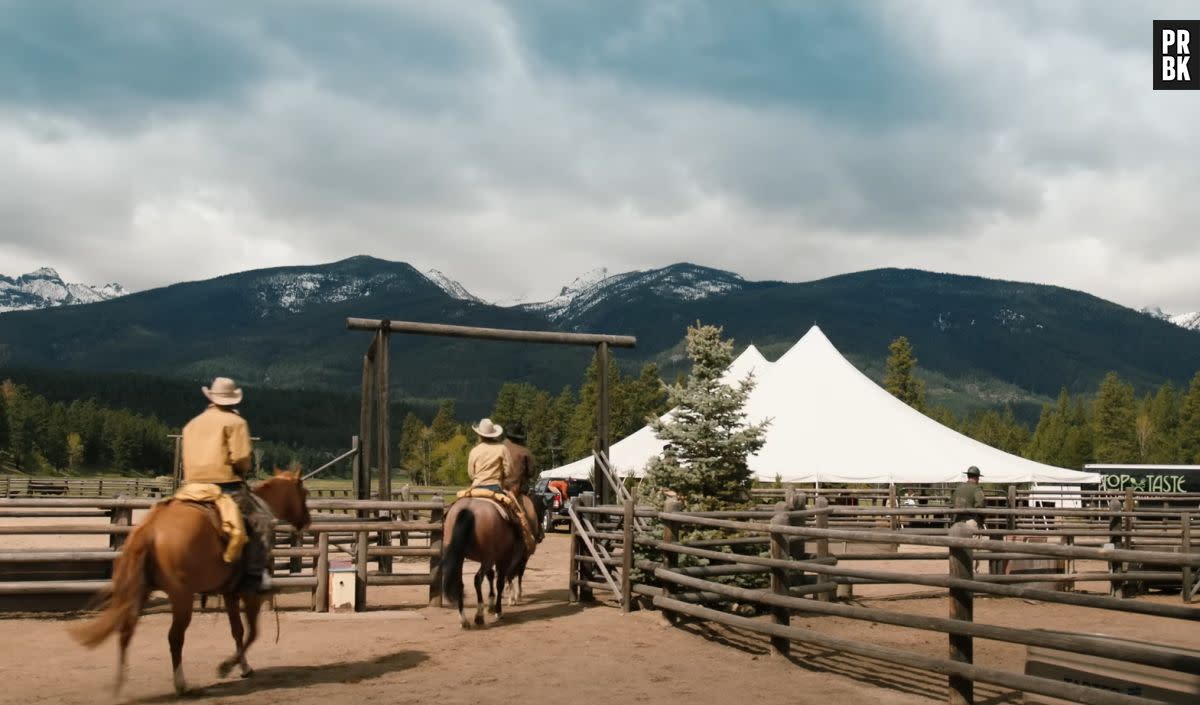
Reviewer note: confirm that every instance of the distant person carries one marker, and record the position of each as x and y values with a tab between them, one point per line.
217	450
559	486
523	468
969	495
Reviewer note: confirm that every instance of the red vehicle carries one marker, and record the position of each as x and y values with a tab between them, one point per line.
551	505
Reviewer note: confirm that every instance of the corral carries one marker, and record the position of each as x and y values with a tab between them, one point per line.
403	649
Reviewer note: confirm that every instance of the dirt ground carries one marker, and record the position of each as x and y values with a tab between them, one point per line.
543	649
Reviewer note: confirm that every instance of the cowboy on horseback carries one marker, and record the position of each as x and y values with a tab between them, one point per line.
522	470
490	467
217	450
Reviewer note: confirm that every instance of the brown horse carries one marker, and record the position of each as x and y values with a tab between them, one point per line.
478	531
177	549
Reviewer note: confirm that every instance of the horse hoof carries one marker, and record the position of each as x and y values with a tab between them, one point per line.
479	619
225	667
249	672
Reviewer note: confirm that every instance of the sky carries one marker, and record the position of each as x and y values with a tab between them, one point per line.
514	146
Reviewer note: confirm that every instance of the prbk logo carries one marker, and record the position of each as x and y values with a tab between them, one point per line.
1173	42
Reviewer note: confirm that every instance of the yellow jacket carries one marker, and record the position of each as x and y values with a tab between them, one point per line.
489	464
216	447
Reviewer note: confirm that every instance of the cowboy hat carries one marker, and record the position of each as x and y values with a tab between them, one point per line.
223	392
973	471
487	429
516	432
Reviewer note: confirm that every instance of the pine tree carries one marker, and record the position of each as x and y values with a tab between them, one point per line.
410	435
444	425
900	379
581	433
1114	421
1164	418
708	439
1189	424
1049	441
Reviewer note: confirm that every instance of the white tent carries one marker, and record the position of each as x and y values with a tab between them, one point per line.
831	423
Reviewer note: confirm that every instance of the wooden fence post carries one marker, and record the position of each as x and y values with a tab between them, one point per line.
120	516
823	544
627	557
670	560
1010	522
780	646
436	541
361	564
321	598
1128	588
894	502
579	548
1188	576
962	607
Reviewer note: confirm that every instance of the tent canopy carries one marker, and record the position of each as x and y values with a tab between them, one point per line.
831	423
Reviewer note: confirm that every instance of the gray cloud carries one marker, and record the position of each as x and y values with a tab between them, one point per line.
148	143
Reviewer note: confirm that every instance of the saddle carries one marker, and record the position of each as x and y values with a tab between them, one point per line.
509	508
227	517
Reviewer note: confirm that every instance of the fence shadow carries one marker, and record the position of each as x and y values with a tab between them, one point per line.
868	671
302	676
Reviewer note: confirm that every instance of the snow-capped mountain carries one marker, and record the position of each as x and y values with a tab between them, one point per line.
450	286
678	282
1191	321
45	289
296	289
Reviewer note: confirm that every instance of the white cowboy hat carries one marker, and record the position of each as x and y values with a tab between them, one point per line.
487	429
223	392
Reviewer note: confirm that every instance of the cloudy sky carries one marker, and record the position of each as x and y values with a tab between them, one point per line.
515	146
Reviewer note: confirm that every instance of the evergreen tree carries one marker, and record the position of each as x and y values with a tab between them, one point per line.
708	439
646	396
1189	424
3	423
900	379
943	416
581	433
1079	445
1114	421
1049	441
410	435
1164	419
444	425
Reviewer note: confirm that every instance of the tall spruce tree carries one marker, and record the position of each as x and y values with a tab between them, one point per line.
1114	422
444	425
901	379
1164	418
1189	424
708	439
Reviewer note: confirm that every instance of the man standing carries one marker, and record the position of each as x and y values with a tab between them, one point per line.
217	450
523	468
969	495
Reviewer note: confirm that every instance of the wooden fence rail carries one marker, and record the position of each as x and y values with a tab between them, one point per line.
803	582
413	530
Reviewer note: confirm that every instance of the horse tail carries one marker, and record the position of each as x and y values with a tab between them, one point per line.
129	585
456	551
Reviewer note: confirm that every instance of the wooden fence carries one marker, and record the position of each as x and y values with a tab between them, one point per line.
22	486
806	571
375	537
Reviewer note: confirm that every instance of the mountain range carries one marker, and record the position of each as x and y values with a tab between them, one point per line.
45	288
979	341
